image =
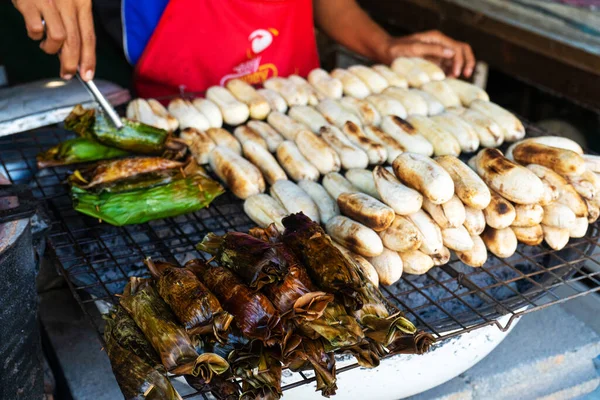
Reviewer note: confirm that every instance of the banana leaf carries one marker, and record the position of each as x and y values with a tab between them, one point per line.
255	261
78	150
311	355
314	313
260	371
128	335
134	136
135	364
106	173
170	340
194	305
334	272
325	264
184	194
253	313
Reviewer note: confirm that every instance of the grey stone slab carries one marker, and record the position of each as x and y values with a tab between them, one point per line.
79	351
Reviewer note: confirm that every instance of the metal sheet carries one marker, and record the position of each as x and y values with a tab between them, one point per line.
47	102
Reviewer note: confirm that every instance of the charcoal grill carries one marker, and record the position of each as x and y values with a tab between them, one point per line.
97	259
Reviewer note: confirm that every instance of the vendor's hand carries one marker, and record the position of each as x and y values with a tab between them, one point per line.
69	31
435	46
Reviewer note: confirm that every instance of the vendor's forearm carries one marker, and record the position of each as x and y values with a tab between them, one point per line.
346	23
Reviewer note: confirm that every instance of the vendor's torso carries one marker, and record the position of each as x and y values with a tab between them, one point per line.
200	43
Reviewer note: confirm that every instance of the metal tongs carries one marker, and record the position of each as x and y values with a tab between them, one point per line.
104	104
97	95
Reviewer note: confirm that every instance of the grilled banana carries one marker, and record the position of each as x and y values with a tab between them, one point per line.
443	142
402	235
528	215
474	221
394	149
375	82
275	100
350	155
407	135
325	84
225	139
392	78
271	137
500	213
187	115
424	175
367	210
354	236
412	102
239	174
510	180
513	128
530	235
364	181
376	152
336	184
244	134
264	161
320	154
467	92
402	199
257	104
265	210
352	85
294	199
556	238
463	132
308	116
210	110
234	112
500	242
415	262
365	111
469	187
432	235
287	127
566	193
443	92
294	163
477	255
326	205
388	266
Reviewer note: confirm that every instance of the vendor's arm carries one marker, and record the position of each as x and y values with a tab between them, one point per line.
69	31
345	22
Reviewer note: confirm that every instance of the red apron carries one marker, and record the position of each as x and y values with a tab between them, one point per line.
200	43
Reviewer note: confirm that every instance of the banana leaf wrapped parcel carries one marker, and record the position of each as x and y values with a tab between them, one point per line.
254	314
104	175
99	140
141	198
252	259
134	362
337	273
192	303
135	136
167	337
75	151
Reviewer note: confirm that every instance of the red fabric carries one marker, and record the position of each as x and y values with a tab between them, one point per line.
200	43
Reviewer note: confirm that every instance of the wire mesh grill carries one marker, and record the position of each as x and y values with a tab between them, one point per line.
97	259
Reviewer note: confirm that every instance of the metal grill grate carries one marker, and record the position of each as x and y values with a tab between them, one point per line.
97	259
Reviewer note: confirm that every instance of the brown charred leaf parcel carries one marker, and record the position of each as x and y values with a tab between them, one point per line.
265	301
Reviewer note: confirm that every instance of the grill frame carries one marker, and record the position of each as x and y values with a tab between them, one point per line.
84	248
